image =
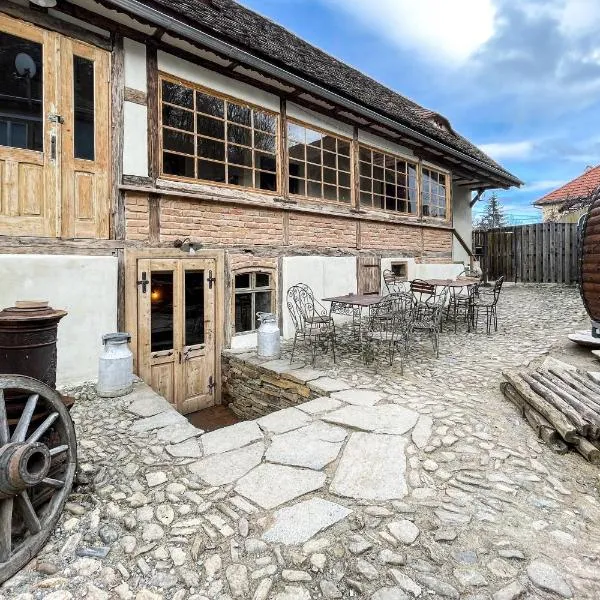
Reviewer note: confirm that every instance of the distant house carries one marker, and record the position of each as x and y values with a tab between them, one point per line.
569	202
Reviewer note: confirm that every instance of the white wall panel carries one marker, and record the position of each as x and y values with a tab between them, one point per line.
135	142
135	65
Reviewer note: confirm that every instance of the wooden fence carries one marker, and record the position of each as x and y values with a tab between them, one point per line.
542	253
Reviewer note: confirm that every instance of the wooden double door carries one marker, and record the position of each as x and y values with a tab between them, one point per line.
54	134
176	330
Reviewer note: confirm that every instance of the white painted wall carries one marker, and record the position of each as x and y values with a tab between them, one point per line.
84	286
326	275
310	117
135	65
463	222
215	81
135	139
421	270
378	142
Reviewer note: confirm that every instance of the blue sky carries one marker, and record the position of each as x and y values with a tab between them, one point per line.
520	78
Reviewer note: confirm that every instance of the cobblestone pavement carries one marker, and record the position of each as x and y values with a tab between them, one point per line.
428	485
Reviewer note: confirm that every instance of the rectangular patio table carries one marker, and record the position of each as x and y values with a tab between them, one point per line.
352	305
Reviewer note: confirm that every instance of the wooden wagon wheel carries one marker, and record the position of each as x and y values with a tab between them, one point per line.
38	455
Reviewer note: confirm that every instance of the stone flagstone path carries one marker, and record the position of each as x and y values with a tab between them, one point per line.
425	486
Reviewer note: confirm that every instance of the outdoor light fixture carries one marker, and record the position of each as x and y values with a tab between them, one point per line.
186	245
44	3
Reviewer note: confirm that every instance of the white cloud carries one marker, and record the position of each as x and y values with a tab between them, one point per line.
542	185
580	17
445	30
507	150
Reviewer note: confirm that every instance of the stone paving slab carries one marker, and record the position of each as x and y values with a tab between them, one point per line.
271	485
158	421
319	405
358	397
180	432
147	405
299	523
372	467
303	375
227	467
281	365
387	418
284	420
229	438
326	385
188	449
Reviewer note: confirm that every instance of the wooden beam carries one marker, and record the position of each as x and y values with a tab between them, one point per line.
117	133
152	103
477	198
284	184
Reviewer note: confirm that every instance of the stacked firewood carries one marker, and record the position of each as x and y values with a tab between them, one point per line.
561	403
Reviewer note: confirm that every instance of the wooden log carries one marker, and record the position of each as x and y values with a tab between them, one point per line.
590	452
565	428
578	390
538	423
572	397
581	425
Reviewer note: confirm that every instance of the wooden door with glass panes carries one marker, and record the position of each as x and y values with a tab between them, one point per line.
54	134
176	336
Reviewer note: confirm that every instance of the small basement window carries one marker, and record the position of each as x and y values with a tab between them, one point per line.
399	269
253	293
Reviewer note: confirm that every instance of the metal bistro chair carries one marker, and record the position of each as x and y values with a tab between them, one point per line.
312	324
395	284
390	323
429	318
487	301
424	294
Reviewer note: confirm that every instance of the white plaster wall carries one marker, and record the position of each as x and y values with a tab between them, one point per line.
321	121
245	341
435	271
84	286
135	65
186	70
135	140
374	140
326	275
463	222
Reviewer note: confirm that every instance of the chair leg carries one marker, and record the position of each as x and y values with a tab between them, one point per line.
333	344
293	347
495	319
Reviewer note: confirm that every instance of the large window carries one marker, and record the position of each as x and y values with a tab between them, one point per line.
387	182
253	293
319	164
435	189
211	138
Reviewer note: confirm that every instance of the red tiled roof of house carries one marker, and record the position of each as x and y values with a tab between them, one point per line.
578	188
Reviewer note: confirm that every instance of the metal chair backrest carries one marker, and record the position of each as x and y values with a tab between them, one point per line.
498	288
422	291
395	284
301	304
391	314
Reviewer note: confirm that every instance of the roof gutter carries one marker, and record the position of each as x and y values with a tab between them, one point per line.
167	22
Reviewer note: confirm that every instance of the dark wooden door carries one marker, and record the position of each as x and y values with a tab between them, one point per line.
369	274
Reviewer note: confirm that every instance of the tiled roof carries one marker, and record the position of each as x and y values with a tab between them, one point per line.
577	189
244	28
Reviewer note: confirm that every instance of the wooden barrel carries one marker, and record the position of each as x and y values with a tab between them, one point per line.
589	261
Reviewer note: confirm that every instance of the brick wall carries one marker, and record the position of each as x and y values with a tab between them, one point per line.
137	224
318	231
437	240
219	224
382	236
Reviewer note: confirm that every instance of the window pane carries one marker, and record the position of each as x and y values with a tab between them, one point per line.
313	154
177	94
239	176
343	163
83	108
175	164
297	169
343	148
264	141
365	169
329	143
330	192
265	122
239	114
364	154
211	171
161	311
178	118
242	281
211	127
314	172
266	162
329	159
344	179
21	93
177	141
365	184
314	190
243	312
313	138
263	280
366	199
262	302
296	150
297	186
345	195
210	105
296	134
211	149
266	181
329	175
239	135
239	156
194	308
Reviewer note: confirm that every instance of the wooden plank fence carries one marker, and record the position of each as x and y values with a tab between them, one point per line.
540	253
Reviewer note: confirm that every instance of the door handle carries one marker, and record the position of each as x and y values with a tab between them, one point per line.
53	147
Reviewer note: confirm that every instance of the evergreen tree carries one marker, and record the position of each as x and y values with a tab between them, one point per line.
493	215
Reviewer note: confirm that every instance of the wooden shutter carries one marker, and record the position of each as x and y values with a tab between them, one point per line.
369	274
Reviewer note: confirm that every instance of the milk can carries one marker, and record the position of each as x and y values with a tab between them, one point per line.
115	374
269	342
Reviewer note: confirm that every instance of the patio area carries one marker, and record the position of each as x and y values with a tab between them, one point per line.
424	485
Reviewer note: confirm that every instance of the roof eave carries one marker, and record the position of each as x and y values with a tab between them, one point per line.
163	20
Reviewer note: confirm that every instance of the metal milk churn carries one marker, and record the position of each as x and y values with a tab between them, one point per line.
115	374
269	341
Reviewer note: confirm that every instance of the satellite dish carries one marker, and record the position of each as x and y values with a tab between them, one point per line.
25	65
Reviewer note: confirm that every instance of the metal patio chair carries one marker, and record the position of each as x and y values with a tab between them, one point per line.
460	305
429	318
390	322
312	324
395	284
487	302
